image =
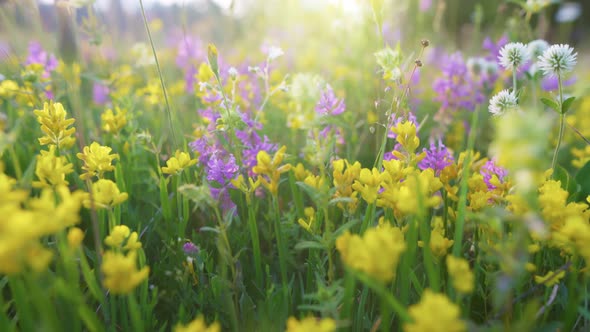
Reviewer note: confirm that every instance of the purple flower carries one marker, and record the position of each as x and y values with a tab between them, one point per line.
222	196
329	104
437	158
494	48
551	83
221	168
190	51
190	249
100	93
4	50
456	89
489	169
37	55
425	5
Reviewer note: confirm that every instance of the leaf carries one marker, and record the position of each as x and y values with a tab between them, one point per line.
567	182
337	200
551	104
209	229
567	104
583	180
309	245
345	227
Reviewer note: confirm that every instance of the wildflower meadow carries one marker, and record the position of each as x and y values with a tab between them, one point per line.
295	165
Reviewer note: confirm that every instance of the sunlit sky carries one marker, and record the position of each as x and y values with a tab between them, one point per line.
349	5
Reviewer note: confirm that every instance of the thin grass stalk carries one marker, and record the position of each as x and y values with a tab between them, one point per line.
462	205
253	226
168	110
281	249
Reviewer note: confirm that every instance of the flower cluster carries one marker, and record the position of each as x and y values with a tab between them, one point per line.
435	312
366	253
119	266
54	124
27	220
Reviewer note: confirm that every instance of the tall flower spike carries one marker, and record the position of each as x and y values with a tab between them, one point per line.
505	100
51	169
513	56
106	194
97	160
178	163
54	125
120	271
558	60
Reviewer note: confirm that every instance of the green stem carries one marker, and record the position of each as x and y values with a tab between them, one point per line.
15	162
168	112
368	217
559	139
561	122
571	311
347	305
135	313
255	244
462	206
386	296
281	247
514	80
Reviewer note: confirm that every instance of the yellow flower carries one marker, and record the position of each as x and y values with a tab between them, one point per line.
463	279
551	278
178	163
368	184
269	171
343	181
97	160
75	237
439	245
106	194
310	324
51	169
122	234
25	221
310	216
113	123
120	271
198	325
435	312
376	253
55	125
8	89
300	172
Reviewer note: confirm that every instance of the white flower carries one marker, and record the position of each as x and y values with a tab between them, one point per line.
274	52
557	60
502	102
513	55
568	12
233	73
537	47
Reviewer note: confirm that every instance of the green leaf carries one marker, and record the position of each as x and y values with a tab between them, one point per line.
567	104
309	245
583	180
346	226
567	182
551	104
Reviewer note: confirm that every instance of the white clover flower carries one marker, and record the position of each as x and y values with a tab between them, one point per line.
513	55
557	60
274	52
568	12
505	100
537	47
233	73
